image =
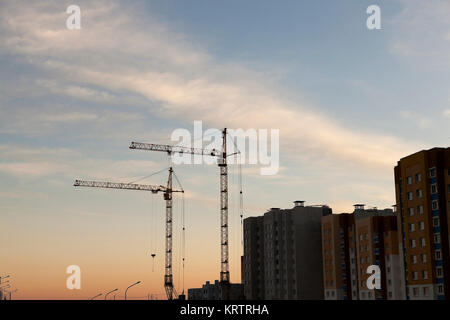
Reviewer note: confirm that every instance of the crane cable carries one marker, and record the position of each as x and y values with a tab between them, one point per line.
241	195
148	176
183	231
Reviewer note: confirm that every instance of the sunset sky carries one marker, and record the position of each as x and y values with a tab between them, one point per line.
349	102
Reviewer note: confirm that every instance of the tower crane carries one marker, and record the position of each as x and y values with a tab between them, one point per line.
222	163
167	192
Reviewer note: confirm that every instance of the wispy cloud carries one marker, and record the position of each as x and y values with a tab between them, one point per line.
64	163
183	80
416	119
421	31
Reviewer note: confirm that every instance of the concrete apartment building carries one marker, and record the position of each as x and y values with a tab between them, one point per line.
422	185
375	236
351	243
282	253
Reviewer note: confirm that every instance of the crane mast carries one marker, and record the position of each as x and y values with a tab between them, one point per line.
222	163
168	276
224	268
167	192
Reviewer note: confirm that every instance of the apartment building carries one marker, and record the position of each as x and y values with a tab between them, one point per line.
351	243
422	185
372	239
282	253
213	291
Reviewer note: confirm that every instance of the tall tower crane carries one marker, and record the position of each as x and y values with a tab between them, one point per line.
222	163
167	192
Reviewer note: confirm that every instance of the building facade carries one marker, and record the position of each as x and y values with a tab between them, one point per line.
213	291
422	185
282	253
353	242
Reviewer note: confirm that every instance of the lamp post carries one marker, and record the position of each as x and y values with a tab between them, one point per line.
96	296
8	276
4	283
106	295
1	289
130	287
11	292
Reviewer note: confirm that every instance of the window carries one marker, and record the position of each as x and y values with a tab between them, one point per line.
424	274
437	238
413	243
440	288
438	254
419	193
415	292
412	227
425	291
422	225
434	188
424	258
420	209
411	211
360	237
435	221
367	236
408	180
434	205
367	259
423	242
415	276
367	247
433	172
362	260
390	294
413	259
418	177
439	271
410	195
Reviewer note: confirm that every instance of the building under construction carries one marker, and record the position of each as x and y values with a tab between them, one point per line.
283	255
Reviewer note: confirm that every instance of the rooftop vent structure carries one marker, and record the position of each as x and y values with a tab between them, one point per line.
299	203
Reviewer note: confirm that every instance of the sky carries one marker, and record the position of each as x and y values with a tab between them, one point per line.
349	103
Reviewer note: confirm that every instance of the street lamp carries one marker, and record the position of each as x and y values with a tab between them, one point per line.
130	287
106	295
4	283
96	296
8	276
11	292
2	290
